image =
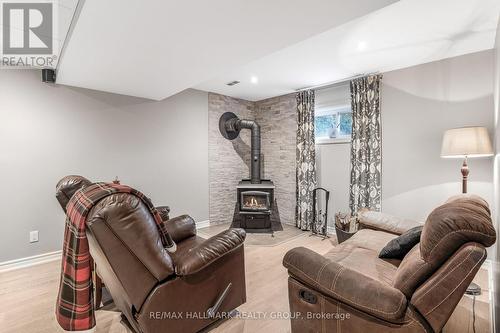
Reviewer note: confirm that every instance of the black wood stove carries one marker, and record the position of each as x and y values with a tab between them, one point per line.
255	197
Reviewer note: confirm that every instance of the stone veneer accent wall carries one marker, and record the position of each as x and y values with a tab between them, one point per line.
225	165
278	121
228	161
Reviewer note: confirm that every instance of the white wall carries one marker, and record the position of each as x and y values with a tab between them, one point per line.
47	132
496	181
418	104
333	166
496	143
333	160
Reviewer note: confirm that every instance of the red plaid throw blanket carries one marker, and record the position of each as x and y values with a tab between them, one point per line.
75	310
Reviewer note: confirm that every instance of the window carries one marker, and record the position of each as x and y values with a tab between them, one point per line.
333	125
333	117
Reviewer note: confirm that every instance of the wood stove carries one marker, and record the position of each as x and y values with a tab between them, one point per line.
255	203
255	196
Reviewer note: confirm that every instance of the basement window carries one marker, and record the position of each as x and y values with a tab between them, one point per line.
333	125
333	115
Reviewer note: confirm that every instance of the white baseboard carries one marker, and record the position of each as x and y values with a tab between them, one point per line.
202	224
29	261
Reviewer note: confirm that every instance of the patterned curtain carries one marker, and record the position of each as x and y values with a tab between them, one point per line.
306	159
366	145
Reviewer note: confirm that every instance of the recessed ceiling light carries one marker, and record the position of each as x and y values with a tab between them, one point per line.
362	45
254	79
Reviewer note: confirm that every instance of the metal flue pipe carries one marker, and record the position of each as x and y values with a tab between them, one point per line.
230	126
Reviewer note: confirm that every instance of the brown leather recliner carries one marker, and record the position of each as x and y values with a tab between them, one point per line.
158	291
351	290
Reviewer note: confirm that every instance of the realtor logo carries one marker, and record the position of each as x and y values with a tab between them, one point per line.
27	28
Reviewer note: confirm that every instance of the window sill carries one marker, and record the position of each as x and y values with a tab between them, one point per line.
333	141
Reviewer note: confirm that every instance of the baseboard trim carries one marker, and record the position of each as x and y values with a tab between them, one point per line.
202	224
29	261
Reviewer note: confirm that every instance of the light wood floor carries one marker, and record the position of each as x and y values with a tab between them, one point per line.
27	296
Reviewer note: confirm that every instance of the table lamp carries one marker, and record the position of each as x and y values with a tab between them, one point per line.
466	142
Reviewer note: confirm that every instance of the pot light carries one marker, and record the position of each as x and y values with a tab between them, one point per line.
362	45
254	79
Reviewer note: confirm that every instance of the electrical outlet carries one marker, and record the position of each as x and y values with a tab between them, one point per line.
34	236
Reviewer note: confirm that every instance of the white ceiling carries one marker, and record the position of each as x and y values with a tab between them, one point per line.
65	12
157	48
406	33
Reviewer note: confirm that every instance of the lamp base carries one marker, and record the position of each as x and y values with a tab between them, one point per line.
473	289
465	175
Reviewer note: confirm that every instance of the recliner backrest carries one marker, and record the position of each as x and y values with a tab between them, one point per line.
454	235
124	242
462	219
130	251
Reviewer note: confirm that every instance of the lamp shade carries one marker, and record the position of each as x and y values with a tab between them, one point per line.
466	142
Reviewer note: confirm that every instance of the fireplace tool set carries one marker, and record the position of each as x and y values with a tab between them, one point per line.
319	226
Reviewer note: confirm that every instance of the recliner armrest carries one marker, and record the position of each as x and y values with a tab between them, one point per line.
180	227
209	251
380	221
345	285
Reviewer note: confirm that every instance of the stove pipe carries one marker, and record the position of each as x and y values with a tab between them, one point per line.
230	126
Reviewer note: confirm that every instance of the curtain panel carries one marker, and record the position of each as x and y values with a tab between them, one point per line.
366	144
306	160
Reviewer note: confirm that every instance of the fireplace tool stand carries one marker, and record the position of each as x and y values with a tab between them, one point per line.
319	226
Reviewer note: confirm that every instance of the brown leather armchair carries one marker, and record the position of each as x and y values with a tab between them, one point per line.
351	290
158	291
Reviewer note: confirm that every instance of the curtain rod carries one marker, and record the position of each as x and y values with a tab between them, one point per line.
333	83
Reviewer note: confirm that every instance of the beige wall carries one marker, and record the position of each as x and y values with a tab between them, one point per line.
47	132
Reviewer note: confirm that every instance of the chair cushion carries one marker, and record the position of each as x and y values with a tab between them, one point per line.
364	261
398	247
370	239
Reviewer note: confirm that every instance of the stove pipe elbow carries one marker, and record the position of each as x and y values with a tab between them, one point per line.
230	126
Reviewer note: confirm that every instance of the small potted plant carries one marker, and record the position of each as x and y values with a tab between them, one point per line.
345	226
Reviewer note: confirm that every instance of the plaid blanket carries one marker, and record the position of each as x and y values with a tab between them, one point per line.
75	308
